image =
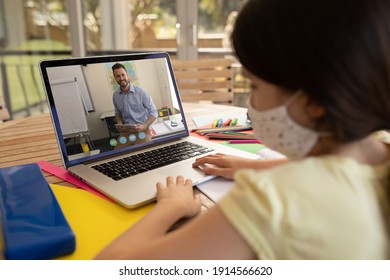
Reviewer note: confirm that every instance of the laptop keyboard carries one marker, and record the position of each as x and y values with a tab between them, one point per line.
139	163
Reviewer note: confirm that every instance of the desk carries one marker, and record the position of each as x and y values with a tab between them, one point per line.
32	139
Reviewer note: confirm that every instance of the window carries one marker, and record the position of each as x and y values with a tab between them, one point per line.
32	30
216	19
142	24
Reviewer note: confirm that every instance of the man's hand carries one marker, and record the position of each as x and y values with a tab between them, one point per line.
140	127
126	128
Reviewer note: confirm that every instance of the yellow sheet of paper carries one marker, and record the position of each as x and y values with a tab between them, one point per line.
94	220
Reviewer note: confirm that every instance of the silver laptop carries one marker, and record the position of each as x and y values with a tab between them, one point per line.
80	97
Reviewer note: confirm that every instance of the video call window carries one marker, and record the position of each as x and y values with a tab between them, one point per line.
83	96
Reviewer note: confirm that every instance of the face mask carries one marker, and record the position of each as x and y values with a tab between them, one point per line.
276	129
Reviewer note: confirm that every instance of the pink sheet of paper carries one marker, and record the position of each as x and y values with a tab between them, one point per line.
65	175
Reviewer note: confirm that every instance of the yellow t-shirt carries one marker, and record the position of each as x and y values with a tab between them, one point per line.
329	207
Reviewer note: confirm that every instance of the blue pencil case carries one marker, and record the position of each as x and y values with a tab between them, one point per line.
31	220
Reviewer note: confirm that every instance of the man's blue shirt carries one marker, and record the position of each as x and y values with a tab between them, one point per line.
134	106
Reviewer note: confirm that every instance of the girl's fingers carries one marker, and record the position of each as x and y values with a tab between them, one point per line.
169	181
179	180
188	183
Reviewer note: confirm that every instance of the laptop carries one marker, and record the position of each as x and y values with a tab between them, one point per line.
79	93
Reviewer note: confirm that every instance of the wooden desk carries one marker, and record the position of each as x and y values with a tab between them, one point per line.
32	139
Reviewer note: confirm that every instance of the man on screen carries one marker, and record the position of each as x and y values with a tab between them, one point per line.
135	110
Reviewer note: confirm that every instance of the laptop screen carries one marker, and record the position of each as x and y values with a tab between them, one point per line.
102	106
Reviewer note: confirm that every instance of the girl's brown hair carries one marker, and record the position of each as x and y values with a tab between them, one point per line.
337	51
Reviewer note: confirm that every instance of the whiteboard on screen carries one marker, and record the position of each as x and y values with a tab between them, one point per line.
70	107
59	73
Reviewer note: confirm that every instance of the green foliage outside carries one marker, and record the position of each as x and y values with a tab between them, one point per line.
24	81
23	69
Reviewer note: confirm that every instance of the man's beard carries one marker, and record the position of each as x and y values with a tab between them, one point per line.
122	87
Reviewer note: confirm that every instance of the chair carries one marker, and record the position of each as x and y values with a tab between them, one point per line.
112	131
208	79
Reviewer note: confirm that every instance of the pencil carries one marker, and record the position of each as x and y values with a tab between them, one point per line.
244	141
220	129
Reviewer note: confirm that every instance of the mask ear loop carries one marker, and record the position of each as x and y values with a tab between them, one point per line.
290	100
297	94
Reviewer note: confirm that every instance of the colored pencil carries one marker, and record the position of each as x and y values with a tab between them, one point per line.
242	141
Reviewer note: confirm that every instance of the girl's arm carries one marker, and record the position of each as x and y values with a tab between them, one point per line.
207	236
226	165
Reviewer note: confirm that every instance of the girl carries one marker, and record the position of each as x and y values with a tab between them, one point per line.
320	75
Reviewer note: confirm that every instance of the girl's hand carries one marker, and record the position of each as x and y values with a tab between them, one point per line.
180	194
221	164
226	165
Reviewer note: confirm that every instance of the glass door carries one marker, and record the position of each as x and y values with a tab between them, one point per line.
187	29
216	20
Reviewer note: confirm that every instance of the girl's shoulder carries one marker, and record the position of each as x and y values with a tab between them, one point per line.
311	172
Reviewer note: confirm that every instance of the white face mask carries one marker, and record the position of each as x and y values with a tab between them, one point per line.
276	129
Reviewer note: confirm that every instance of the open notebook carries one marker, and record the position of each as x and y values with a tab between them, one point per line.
123	164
